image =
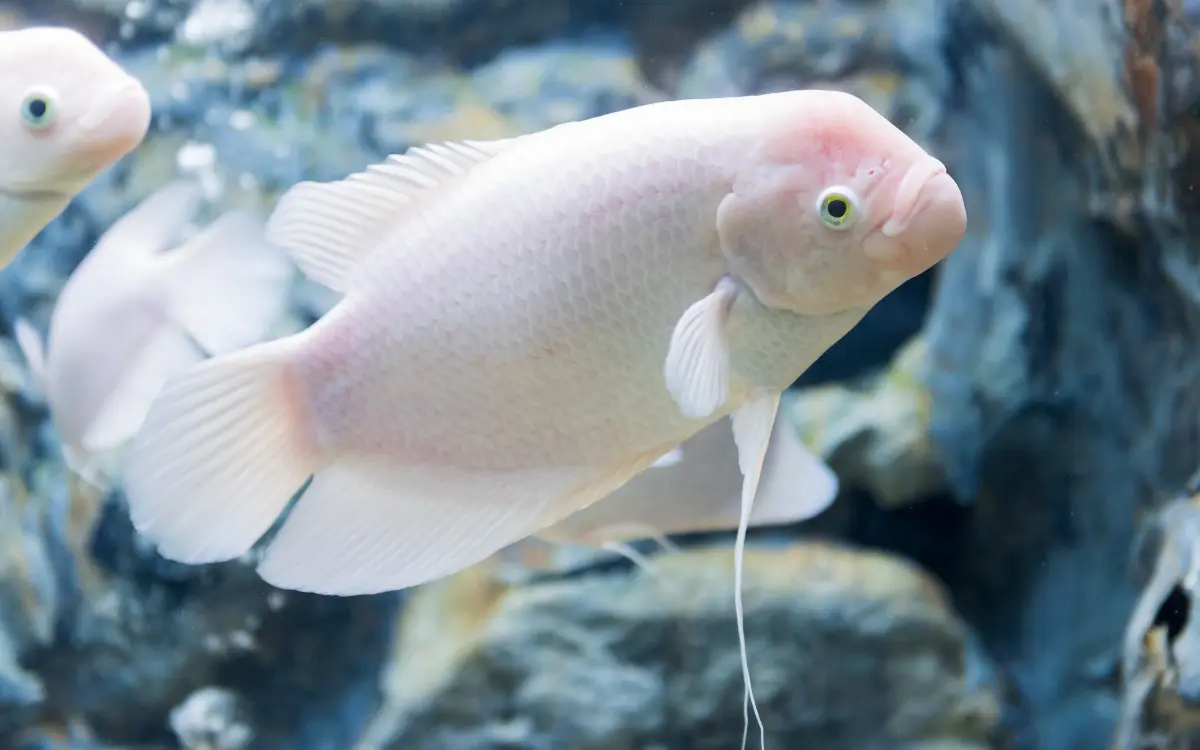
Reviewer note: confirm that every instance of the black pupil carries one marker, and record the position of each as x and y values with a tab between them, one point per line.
37	108
837	208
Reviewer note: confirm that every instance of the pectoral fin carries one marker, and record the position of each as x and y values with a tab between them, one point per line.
697	365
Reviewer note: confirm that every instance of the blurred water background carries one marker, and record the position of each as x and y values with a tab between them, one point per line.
1011	562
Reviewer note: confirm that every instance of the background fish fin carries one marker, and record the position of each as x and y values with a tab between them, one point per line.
156	222
697	365
30	344
86	466
125	409
752	428
366	526
229	286
330	227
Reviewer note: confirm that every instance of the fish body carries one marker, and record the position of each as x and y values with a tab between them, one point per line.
528	324
67	113
497	360
138	309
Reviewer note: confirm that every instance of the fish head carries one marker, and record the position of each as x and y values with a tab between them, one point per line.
67	112
837	208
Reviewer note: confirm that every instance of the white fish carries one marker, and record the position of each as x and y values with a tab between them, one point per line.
527	324
67	113
135	312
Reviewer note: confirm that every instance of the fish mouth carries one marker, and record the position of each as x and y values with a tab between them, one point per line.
125	101
909	194
110	129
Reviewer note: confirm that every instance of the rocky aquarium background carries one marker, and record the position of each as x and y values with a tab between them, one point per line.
1014	557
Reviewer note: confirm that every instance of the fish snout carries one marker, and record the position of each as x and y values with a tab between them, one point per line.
114	125
933	228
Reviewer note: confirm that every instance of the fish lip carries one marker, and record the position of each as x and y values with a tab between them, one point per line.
909	194
114	100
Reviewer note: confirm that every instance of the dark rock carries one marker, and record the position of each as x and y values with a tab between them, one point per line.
848	649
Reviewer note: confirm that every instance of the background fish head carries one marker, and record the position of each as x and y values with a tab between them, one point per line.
67	111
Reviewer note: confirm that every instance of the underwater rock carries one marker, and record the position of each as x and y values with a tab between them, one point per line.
875	434
1160	671
848	649
211	719
1062	344
538	87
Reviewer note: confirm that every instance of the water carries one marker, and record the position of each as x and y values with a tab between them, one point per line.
1004	427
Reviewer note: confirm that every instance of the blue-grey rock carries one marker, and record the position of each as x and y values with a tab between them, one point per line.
1058	397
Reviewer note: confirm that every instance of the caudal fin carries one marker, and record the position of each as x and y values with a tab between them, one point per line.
219	456
228	285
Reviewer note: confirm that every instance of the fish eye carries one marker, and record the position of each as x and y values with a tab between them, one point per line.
836	206
38	109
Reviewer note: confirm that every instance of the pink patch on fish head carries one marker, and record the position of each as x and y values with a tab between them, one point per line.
827	217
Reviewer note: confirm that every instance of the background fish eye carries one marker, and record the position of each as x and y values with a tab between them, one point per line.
37	109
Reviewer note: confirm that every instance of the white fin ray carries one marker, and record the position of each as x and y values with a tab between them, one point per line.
167	353
34	351
753	424
366	526
697	364
219	456
329	228
228	285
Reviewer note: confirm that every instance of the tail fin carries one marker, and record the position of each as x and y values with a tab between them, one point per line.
228	284
220	455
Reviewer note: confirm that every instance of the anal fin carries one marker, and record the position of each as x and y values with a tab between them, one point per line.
368	525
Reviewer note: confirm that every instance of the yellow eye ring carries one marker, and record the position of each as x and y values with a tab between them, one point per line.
837	208
38	110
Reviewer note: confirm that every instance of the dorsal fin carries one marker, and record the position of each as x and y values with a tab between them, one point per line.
329	227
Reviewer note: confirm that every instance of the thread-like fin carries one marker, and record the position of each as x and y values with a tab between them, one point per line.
753	423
